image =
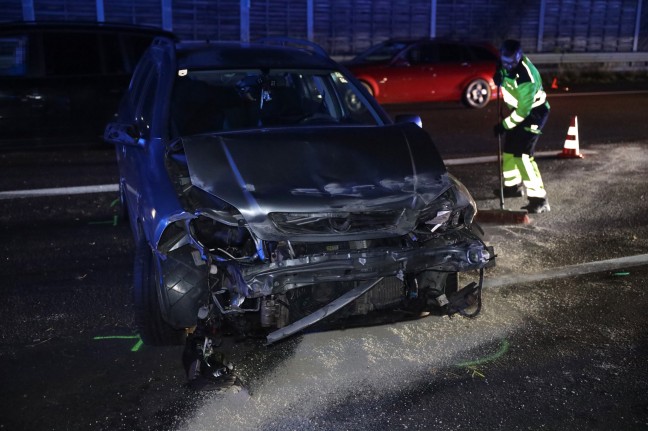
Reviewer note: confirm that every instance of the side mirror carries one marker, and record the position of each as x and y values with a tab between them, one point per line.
409	118
122	133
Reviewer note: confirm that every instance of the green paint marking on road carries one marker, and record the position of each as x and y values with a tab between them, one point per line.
502	350
475	372
135	348
621	273
137	345
115	219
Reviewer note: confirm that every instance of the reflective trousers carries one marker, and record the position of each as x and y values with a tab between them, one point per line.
523	170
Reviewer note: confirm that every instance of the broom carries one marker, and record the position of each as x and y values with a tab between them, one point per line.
502	215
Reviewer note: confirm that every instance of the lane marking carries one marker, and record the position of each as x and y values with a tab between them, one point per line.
103	188
58	191
488	159
594	93
568	271
14	194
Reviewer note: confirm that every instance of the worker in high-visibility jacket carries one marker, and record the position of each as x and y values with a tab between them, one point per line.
522	91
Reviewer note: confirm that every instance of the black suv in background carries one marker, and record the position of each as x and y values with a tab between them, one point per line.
63	81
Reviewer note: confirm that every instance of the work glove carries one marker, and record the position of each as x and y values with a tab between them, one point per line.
498	129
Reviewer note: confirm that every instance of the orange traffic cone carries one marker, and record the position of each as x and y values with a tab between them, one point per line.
554	83
570	149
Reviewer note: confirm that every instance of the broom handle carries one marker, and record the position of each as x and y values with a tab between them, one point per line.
499	151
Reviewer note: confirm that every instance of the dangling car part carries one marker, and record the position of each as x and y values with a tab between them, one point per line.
269	194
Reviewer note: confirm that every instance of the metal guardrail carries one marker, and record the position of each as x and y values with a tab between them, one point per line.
589	57
616	60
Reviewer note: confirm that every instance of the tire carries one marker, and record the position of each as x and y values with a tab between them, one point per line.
438	282
153	329
367	87
451	283
477	94
122	213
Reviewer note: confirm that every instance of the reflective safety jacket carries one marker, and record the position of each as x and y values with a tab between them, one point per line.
522	91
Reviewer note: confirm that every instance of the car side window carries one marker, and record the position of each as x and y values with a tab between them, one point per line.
482	54
113	58
71	54
452	53
423	54
146	105
137	82
13	56
138	103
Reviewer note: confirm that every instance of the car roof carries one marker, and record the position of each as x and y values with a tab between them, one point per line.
249	55
410	42
438	39
73	26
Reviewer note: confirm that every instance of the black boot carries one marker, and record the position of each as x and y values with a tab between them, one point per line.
537	206
511	191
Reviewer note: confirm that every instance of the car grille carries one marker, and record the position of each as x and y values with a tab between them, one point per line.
387	293
335	223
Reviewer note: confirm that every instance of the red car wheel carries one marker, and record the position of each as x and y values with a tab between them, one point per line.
477	94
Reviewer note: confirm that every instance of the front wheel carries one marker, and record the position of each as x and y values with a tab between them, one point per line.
367	87
477	94
153	329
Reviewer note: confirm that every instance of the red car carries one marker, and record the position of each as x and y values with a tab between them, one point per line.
426	70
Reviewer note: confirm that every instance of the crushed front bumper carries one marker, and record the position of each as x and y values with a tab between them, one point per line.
463	251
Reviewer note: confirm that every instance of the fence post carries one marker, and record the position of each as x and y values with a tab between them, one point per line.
543	4
28	10
433	14
167	15
635	42
245	20
310	21
101	16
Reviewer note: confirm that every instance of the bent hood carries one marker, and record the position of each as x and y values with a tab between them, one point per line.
318	169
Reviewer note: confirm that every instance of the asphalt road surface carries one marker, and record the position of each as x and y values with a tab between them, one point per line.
561	342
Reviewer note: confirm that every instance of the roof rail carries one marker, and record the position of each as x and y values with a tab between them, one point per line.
295	43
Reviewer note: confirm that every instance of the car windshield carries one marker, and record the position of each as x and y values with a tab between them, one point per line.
381	52
223	100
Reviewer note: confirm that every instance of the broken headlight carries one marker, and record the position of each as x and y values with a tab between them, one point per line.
463	200
453	209
214	234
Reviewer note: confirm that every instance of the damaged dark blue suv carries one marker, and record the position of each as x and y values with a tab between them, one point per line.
269	193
